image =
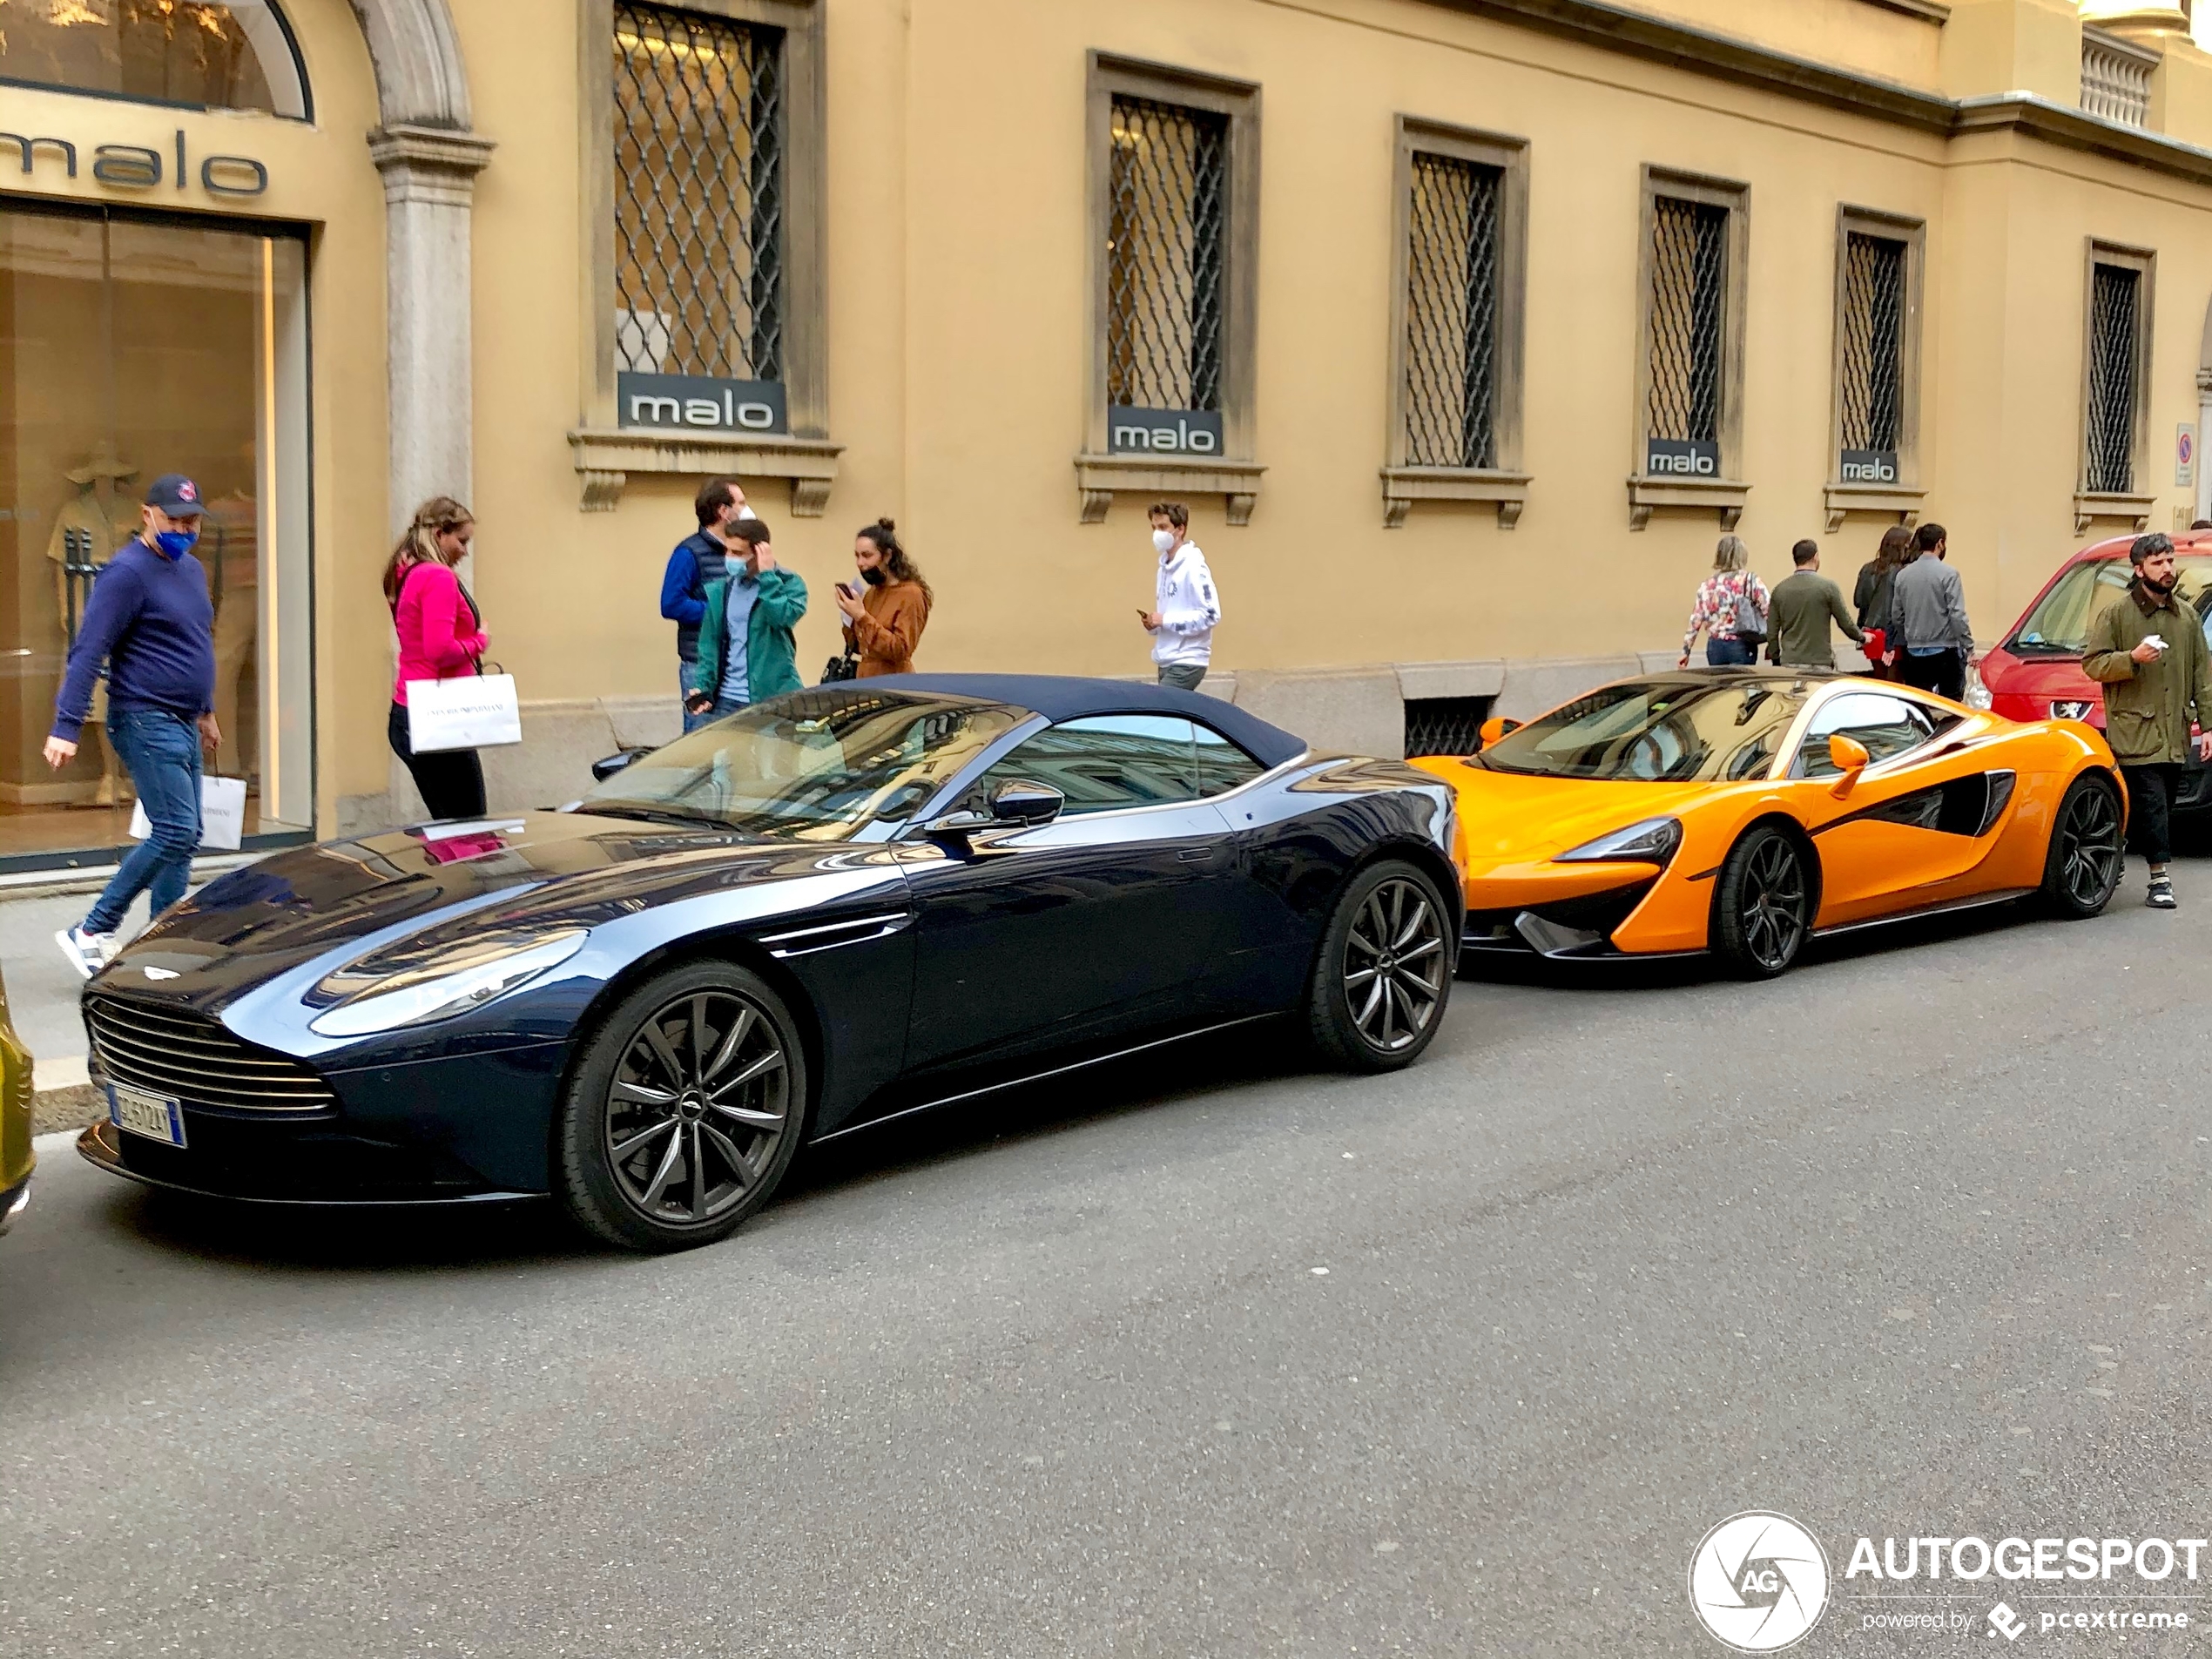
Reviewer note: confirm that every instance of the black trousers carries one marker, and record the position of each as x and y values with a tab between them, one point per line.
2150	808
450	782
1945	673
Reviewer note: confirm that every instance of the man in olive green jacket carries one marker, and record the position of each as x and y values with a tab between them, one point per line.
2148	652
1802	606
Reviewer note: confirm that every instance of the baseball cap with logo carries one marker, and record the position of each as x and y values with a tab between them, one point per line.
175	495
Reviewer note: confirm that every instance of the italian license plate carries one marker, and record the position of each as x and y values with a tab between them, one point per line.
155	1116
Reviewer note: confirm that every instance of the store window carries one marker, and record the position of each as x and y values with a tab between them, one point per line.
1692	407
2115	404
195	53
1456	321
131	347
1878	365
1174	199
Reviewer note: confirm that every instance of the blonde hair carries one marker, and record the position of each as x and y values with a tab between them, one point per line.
1731	554
435	517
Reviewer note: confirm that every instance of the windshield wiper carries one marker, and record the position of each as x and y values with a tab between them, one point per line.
655	815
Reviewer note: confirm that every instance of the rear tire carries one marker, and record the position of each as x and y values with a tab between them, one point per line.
684	1111
1763	903
1384	974
2082	867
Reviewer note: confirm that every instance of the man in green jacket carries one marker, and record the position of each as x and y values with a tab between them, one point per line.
1800	611
2150	653
746	651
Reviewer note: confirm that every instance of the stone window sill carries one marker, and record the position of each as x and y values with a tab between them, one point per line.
1099	476
1725	495
2094	504
1904	500
1403	486
605	456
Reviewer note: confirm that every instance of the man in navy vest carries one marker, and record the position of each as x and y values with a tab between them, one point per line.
698	559
150	620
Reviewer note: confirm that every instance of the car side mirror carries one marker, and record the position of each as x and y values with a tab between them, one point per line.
603	770
1497	726
1019	801
1849	757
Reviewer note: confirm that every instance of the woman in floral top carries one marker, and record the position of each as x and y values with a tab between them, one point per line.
1714	614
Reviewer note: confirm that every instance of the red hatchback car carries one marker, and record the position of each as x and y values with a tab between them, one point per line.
2036	673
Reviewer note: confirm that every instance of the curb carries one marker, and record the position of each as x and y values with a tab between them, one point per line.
58	1110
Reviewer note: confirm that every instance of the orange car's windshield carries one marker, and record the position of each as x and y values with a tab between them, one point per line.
2060	624
1655	731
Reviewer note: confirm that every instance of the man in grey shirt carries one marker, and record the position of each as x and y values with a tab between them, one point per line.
1928	618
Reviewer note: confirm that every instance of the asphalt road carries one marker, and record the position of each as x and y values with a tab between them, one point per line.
1912	1241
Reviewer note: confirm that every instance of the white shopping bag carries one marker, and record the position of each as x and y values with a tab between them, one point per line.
477	711
222	815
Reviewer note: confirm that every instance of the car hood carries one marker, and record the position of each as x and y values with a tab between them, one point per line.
333	902
1508	818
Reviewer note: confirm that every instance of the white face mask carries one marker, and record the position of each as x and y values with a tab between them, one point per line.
1164	540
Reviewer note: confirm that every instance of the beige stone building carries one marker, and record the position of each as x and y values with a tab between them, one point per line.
1465	327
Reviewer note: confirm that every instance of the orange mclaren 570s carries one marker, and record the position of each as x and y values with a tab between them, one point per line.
1743	811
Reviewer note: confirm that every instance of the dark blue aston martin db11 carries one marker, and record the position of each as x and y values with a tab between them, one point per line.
837	907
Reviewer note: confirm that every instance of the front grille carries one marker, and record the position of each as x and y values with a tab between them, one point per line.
188	1057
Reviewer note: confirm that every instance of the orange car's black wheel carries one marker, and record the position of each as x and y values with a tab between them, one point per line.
1763	903
2082	867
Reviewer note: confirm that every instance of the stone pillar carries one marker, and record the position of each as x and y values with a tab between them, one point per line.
2204	426
430	184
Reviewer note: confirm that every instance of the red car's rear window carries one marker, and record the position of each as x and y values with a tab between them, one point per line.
2059	621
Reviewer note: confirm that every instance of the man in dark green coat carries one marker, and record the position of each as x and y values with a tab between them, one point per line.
747	651
1802	606
2148	652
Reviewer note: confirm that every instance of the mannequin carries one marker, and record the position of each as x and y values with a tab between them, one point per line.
98	519
231	551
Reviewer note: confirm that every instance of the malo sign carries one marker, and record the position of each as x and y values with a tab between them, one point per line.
1869	466
1681	458
1163	432
699	403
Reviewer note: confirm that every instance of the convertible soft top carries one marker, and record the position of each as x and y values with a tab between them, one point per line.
1064	697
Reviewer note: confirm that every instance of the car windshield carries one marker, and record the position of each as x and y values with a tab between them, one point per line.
2060	624
1660	731
819	765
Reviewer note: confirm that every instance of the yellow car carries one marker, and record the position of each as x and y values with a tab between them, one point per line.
15	1156
1744	811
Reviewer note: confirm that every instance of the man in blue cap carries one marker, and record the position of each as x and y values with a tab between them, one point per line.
150	620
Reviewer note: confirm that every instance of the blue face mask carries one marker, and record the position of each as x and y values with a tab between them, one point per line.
176	543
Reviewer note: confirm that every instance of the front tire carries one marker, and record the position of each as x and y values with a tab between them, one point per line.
1384	970
684	1111
2088	837
1763	903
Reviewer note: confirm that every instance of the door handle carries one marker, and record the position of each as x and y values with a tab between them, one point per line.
1194	854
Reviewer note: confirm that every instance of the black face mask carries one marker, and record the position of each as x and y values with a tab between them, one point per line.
874	576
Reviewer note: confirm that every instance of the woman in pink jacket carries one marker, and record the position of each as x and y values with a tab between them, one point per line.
441	637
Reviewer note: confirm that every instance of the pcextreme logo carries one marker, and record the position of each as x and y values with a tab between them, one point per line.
1758	1582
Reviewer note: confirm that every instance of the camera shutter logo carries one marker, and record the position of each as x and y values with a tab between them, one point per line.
1758	1582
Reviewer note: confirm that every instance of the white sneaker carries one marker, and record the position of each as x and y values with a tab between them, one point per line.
87	953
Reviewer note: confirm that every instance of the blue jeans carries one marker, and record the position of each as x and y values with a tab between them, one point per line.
161	753
723	708
1723	652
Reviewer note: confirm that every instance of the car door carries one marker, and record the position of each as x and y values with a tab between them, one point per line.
1913	825
1099	921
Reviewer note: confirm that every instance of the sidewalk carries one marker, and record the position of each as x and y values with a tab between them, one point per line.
42	995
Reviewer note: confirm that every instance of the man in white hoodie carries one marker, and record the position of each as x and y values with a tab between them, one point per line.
1187	607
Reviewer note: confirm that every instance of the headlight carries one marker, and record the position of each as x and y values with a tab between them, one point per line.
1978	695
453	982
1653	841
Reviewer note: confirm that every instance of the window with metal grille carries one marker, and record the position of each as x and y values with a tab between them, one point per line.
698	128
1166	254
1445	726
1689	299
2114	345
1451	313
1873	343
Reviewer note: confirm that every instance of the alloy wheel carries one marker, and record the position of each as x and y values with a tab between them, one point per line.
1773	912
1395	964
697	1106
2090	848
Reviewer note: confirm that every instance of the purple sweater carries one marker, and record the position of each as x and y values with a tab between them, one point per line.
150	620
